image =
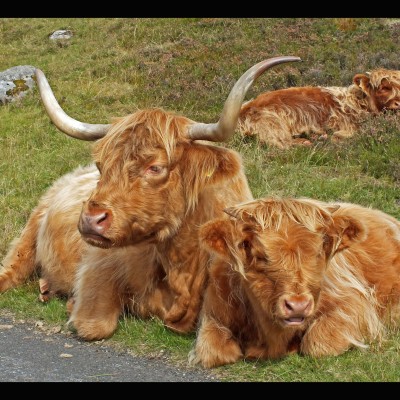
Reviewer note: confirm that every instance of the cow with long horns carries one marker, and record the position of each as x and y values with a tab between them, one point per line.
122	233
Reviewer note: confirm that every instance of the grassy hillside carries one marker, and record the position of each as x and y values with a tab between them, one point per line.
112	67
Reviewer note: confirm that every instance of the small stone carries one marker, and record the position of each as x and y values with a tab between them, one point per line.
66	355
56	329
39	324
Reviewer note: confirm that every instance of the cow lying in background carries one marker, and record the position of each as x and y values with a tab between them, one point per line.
152	187
297	276
296	115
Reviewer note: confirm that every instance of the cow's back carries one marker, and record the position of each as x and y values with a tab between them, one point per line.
306	98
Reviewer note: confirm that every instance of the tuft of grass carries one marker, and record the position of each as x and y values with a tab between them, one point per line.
113	66
23	303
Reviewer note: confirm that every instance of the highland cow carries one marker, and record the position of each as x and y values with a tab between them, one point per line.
138	209
300	115
297	275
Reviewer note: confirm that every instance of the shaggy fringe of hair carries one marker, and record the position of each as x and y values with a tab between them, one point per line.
271	212
167	127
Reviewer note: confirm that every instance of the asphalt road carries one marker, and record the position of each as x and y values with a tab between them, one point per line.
29	354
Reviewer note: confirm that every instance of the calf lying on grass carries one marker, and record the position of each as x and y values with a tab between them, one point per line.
299	115
297	275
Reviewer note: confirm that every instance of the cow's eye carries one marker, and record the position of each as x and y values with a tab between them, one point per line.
245	245
384	88
154	169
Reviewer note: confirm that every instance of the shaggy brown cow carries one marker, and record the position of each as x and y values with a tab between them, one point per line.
137	248
297	276
293	116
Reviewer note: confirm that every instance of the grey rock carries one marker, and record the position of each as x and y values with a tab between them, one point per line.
16	82
61	35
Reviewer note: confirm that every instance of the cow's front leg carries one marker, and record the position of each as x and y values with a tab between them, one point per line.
215	345
179	283
187	286
188	321
96	304
322	340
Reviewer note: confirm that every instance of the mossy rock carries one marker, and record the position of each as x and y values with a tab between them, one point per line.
16	82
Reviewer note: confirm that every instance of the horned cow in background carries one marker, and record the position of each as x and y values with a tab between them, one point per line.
299	115
297	275
153	184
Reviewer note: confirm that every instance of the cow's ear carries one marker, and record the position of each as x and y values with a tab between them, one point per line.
385	88
349	231
208	165
362	81
215	236
229	164
212	163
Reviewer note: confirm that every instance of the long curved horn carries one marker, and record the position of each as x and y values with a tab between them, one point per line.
66	124
225	127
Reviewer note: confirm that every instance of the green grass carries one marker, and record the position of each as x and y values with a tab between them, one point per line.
112	67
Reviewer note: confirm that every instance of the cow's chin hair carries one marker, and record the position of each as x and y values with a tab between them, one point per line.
293	325
105	243
98	241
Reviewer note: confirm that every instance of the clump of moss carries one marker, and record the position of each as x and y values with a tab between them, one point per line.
20	86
